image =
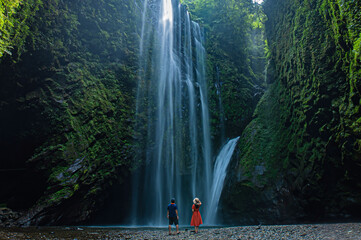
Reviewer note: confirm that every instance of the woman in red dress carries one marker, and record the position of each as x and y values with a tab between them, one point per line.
196	217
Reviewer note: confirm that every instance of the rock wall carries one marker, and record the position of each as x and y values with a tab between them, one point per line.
66	106
299	158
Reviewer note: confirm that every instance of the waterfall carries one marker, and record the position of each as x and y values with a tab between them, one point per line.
266	70
172	119
218	86
219	175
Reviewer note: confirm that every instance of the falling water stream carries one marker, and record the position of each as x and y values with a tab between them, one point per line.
218	85
172	113
172	117
219	175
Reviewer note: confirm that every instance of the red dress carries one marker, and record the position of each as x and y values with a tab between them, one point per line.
196	217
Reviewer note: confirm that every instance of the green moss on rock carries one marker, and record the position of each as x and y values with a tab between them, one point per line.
305	134
72	93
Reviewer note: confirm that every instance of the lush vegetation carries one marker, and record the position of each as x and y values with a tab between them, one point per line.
16	16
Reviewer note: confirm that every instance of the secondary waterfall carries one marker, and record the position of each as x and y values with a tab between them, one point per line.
172	122
218	85
219	174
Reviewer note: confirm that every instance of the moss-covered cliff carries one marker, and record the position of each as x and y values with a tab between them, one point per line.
299	158
66	106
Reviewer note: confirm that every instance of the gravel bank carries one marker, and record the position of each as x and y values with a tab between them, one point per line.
306	232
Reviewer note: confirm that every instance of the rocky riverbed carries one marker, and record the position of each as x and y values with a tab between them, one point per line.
308	231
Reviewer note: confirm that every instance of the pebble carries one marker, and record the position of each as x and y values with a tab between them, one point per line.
287	232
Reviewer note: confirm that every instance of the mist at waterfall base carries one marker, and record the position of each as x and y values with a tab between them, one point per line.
173	142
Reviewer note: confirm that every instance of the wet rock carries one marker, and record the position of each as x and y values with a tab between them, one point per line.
76	165
8	217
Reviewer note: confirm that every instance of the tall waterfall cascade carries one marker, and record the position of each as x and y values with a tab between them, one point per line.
172	114
172	118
